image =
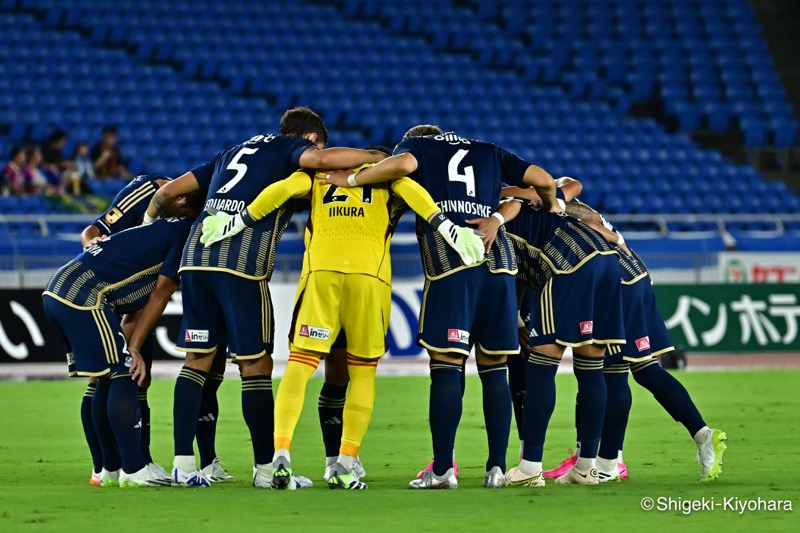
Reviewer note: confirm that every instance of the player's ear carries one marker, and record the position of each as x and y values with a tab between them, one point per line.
311	137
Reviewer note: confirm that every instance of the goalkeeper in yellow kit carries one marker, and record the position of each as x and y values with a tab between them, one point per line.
345	286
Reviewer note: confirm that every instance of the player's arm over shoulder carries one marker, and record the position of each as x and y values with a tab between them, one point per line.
415	196
296	185
334	158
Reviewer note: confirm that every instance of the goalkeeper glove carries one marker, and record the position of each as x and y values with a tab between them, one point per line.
466	241
220	225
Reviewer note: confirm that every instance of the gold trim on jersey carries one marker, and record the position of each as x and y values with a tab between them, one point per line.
664	350
546	308
444	350
637	359
498	352
464	267
550	263
106	336
638	278
196	350
221	269
83	374
235	357
101	293
135	196
590	341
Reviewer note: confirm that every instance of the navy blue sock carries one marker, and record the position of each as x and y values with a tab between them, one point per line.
516	382
88	428
144	411
618	407
577	417
670	393
185	408
206	431
592	406
258	408
463	376
444	412
331	409
538	407
496	412
123	412
102	427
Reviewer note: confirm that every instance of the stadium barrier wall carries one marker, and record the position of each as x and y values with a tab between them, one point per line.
701	318
732	317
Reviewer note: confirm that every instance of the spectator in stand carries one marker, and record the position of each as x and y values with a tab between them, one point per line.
55	166
14	177
38	180
106	156
84	168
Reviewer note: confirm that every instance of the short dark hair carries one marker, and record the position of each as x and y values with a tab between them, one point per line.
300	121
15	151
379	148
111	128
57	136
422	130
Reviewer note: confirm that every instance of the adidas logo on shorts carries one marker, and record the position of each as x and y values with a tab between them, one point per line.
643	344
586	327
458	335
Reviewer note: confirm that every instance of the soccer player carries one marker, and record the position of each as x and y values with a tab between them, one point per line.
131	270
464	306
345	286
646	338
225	292
127	211
576	274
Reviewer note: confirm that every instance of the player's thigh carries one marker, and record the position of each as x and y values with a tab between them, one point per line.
248	317
203	323
447	313
495	320
95	337
364	314
315	321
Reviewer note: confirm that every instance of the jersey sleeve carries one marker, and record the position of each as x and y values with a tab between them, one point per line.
416	197
297	185
204	173
512	167
127	209
300	145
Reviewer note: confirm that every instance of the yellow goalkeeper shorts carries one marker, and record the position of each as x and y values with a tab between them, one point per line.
329	302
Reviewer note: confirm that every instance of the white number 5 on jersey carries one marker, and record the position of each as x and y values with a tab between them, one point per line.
240	168
467	178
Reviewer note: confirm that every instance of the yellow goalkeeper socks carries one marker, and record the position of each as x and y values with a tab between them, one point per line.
358	405
291	394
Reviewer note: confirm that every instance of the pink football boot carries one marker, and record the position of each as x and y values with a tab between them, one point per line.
564	467
428	468
623	470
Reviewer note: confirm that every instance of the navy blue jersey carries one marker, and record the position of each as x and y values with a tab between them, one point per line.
122	270
128	208
632	268
229	183
464	178
548	243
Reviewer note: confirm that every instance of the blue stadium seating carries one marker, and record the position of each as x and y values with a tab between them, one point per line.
550	79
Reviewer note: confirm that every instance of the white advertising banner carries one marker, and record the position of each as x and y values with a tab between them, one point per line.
759	267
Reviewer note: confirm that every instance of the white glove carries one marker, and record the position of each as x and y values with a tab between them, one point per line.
466	241
219	225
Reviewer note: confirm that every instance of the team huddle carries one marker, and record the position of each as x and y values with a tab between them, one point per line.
517	269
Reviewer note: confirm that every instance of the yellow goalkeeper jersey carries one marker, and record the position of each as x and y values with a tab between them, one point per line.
349	229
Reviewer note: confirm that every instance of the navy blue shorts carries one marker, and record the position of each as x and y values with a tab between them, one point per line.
469	307
646	334
93	338
579	308
219	307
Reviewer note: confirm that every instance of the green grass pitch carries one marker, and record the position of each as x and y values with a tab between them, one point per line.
44	483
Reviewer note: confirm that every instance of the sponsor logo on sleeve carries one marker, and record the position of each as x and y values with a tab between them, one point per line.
196	335
313	332
458	335
586	327
643	344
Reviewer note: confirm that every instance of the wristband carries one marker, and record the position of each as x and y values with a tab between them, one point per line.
620	239
148	219
499	217
351	180
561	203
247	218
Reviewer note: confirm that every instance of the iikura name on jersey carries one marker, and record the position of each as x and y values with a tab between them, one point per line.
345	211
